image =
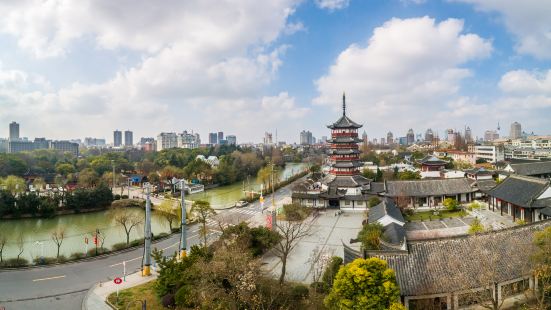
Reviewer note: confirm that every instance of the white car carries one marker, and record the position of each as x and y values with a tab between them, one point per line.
241	203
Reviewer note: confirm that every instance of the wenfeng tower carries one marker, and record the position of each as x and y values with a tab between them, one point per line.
344	187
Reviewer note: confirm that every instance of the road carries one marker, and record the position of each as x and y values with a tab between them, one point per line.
64	286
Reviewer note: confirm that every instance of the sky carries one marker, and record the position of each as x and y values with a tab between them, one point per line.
75	69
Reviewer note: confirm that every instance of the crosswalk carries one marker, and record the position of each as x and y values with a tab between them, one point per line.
246	211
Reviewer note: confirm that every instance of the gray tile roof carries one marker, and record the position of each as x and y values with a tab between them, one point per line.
484	185
432	160
546	211
344	122
394	233
534	168
421	188
347	164
519	190
386	207
349	181
434	266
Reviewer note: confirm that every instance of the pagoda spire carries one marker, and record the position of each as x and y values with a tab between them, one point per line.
343	104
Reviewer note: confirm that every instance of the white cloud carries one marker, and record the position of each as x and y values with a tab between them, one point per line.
332	5
523	82
198	57
406	2
408	70
528	20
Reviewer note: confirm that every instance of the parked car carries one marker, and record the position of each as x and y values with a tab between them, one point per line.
241	203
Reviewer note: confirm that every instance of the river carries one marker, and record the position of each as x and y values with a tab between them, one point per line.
36	233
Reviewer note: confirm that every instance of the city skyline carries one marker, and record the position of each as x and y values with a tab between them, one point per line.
282	65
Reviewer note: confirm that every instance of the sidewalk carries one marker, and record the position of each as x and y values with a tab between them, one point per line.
97	295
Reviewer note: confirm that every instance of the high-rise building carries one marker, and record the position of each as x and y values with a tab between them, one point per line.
232	140
213	138
450	136
429	135
128	138
94	142
383	141
410	136
468	135
306	137
41	143
167	140
389	138
365	138
189	140
516	131
65	147
220	136
491	135
117	138
268	138
144	140
14	131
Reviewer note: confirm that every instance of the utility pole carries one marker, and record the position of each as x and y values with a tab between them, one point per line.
113	164
183	236
273	188
147	236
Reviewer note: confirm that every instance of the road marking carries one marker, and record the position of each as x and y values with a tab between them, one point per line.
125	261
50	278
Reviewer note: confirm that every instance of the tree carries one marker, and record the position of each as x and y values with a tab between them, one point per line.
202	210
167	210
476	227
64	168
291	233
128	220
39	184
88	178
542	268
373	201
370	236
20	246
409	175
264	175
364	284
14	184
2	245
57	238
451	204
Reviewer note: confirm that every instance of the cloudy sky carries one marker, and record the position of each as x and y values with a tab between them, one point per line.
72	69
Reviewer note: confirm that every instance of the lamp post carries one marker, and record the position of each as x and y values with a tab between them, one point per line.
147	236
183	236
113	165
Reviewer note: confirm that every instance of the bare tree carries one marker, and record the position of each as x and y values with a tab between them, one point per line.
202	210
2	245
318	260
57	238
167	210
20	246
291	233
541	269
128	220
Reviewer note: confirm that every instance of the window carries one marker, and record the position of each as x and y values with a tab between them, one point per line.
346	203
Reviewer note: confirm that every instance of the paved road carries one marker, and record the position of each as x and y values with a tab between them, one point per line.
64	286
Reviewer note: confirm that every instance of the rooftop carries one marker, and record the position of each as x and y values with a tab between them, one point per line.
520	190
533	168
421	188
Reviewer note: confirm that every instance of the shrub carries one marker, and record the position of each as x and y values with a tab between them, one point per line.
175	229
48	260
92	251
14	262
124	197
136	242
76	255
331	271
185	297
117	197
451	204
373	201
319	287
520	222
168	301
295	212
473	205
476	227
299	292
119	246
159	236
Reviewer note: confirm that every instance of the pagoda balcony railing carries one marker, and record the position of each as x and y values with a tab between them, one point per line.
344	158
353	146
344	134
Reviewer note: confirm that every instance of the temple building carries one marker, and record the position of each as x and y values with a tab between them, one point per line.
344	187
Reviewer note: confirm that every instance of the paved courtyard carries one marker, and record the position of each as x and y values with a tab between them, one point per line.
328	232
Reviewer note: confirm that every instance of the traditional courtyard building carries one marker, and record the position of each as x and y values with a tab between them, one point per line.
539	169
452	272
428	192
522	197
432	163
344	187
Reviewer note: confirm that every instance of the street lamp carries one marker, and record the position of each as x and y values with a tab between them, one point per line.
147	236
183	237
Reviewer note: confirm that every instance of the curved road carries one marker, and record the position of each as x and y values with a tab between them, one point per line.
64	286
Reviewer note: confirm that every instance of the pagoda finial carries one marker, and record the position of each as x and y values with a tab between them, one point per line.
343	104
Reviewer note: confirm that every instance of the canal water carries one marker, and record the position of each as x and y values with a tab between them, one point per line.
226	196
36	233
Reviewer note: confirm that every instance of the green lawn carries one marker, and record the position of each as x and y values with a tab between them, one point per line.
429	215
145	291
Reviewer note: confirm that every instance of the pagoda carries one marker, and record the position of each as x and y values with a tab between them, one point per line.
345	180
